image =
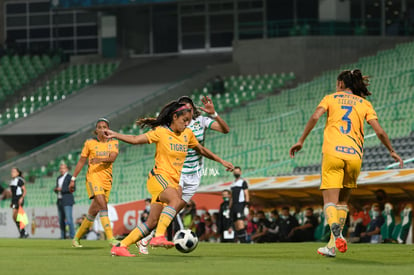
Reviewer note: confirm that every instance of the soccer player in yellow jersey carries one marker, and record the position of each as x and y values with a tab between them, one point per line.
100	152
172	138
342	149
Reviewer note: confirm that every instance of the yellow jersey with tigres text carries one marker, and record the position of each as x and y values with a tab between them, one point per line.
100	173
344	129
171	150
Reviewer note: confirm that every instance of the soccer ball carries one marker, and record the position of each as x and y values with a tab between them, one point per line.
185	240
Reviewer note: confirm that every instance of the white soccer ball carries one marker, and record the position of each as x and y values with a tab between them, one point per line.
185	240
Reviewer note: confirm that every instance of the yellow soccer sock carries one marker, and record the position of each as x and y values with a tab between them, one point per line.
331	214
342	212
135	235
84	227
167	215
106	224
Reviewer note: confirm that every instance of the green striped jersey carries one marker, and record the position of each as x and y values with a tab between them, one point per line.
194	162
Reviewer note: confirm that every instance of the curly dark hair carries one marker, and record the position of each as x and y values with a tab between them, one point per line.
166	115
355	81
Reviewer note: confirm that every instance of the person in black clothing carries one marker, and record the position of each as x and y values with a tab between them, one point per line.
224	221
272	233
373	232
145	213
65	202
240	200
263	225
18	191
305	232
198	226
287	223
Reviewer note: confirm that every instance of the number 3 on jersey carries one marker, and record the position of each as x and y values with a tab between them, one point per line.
347	119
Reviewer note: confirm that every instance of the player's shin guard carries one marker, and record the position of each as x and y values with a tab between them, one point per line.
140	231
342	211
84	227
106	224
167	215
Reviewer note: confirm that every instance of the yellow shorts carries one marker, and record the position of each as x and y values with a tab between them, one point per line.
339	173
157	183
94	189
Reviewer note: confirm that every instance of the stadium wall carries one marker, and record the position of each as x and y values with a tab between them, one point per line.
306	56
118	119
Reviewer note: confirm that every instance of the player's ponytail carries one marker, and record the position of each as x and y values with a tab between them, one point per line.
360	84
355	81
166	115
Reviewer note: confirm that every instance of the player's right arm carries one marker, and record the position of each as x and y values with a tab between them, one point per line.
383	137
81	162
131	139
308	128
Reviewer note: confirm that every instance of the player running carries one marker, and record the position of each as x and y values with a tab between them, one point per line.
342	149
172	138
101	153
193	165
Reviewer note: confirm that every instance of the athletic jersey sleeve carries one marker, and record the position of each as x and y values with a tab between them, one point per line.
371	114
207	122
85	149
153	135
324	103
20	183
245	185
192	142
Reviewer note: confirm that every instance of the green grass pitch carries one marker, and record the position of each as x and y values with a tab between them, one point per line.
46	257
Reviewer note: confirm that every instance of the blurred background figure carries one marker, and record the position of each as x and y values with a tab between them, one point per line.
306	231
218	85
188	214
145	213
373	231
240	200
65	201
4	193
224	221
18	191
263	225
287	223
359	221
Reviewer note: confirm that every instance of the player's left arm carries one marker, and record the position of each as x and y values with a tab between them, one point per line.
23	195
219	124
210	155
247	195
383	137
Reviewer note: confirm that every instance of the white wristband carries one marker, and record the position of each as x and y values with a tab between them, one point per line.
73	178
214	115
